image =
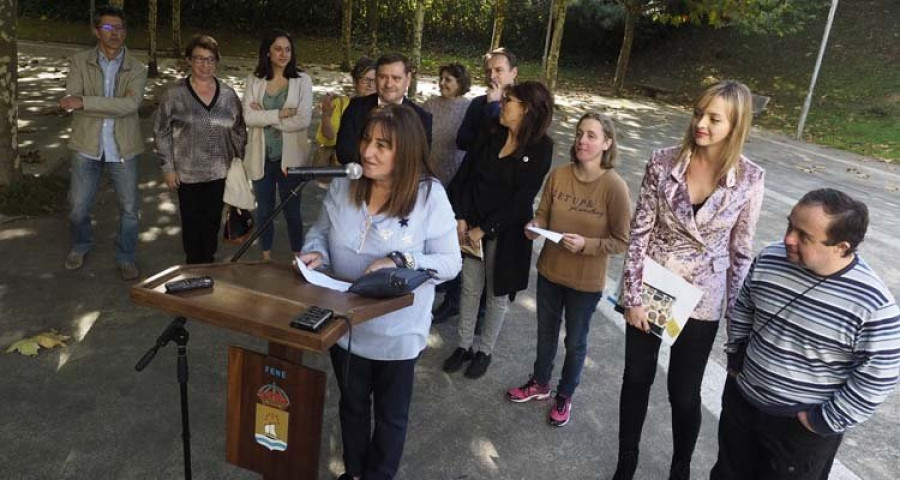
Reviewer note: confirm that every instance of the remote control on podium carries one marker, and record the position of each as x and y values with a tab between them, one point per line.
189	284
312	319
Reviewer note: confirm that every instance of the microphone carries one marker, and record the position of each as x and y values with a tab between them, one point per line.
352	171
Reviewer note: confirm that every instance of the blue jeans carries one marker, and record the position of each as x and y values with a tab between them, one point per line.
265	204
84	179
552	299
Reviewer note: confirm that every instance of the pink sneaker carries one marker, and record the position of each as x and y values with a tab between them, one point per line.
560	411
530	391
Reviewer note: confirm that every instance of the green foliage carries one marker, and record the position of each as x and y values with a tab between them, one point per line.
778	17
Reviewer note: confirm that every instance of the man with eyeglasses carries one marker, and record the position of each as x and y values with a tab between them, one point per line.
104	89
392	77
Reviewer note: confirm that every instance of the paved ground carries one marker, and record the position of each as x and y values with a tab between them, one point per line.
83	413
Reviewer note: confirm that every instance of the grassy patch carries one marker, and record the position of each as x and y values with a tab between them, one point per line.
35	195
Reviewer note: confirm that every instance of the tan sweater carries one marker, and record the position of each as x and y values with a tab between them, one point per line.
600	211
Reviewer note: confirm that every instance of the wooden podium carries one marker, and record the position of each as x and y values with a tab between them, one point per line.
275	404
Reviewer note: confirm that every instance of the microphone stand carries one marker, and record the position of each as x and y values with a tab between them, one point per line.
257	231
177	333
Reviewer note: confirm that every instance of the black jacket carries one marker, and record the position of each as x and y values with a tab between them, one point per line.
354	118
497	194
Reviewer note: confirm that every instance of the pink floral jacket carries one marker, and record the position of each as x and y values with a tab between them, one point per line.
712	250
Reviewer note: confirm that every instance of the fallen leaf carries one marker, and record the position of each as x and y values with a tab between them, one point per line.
30	346
51	339
26	346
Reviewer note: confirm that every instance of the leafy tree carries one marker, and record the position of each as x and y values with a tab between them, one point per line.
176	28
10	163
499	20
777	17
152	69
372	13
559	21
346	29
416	60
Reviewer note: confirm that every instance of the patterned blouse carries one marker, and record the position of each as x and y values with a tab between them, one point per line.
713	249
197	140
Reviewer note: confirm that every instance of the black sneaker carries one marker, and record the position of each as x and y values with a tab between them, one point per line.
478	366
455	362
445	311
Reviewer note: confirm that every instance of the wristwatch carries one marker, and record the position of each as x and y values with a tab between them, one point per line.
398	258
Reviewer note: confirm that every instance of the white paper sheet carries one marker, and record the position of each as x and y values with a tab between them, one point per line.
319	278
548	234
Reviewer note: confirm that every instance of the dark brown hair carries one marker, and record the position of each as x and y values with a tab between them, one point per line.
538	104
403	127
362	66
389	58
461	75
264	64
849	217
202	41
108	11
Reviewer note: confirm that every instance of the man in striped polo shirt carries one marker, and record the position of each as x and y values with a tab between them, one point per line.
813	346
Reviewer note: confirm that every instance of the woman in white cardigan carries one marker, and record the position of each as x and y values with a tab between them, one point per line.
278	110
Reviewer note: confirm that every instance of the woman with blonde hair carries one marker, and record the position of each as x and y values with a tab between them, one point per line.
696	216
588	202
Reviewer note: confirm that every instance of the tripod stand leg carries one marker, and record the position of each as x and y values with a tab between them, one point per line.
185	421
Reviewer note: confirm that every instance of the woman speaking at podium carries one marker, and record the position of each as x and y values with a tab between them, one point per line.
397	214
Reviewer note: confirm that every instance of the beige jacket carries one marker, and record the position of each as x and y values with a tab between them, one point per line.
86	81
295	143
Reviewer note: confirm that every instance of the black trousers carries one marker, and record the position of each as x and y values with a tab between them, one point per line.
374	455
756	445
201	216
686	366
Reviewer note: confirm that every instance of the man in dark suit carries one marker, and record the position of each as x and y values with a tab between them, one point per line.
499	71
392	77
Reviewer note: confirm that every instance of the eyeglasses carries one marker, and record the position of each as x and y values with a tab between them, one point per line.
367	81
109	27
205	60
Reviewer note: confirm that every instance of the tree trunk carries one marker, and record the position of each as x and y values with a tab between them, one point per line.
176	28
499	20
559	22
10	164
416	59
346	27
631	14
372	12
547	37
152	69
